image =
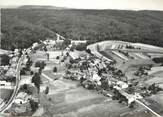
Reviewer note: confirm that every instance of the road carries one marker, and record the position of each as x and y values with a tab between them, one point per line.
11	100
141	103
47	77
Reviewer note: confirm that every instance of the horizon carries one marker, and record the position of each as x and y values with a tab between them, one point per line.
90	4
17	6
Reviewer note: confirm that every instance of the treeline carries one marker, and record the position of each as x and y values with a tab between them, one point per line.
17	33
93	25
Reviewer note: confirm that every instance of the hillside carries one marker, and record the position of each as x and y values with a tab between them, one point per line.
40	7
92	25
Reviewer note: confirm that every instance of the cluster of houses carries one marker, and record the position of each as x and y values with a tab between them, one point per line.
27	94
10	70
93	72
27	97
96	74
8	76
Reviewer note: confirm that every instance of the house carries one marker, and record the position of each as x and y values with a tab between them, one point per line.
35	69
120	85
35	45
25	79
76	42
21	98
16	52
4	52
96	78
14	60
74	55
4	83
11	72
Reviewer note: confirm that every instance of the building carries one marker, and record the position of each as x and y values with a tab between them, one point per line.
21	98
76	42
4	83
120	85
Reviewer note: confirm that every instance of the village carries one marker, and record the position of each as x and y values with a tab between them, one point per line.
37	75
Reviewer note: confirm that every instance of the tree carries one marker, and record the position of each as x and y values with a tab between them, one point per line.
45	49
11	79
47	90
67	54
158	60
57	57
47	54
40	64
22	71
29	63
81	47
26	88
12	47
36	79
67	42
34	105
4	59
154	88
132	104
88	51
55	69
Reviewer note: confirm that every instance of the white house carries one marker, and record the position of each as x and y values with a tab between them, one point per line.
120	85
96	78
21	98
34	45
4	83
76	42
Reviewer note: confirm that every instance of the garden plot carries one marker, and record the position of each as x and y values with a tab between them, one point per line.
141	55
38	56
155	70
155	55
25	80
134	55
113	46
135	63
104	53
157	80
5	94
70	99
115	57
120	55
158	98
148	47
54	54
96	52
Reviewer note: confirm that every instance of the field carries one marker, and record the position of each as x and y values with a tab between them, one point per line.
67	98
130	66
71	100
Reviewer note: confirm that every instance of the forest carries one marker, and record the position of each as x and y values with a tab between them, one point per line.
21	27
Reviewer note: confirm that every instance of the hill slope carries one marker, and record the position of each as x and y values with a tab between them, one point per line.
40	7
95	25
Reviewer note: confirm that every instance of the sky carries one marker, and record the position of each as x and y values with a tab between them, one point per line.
92	4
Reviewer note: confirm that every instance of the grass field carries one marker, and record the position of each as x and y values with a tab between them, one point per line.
71	100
